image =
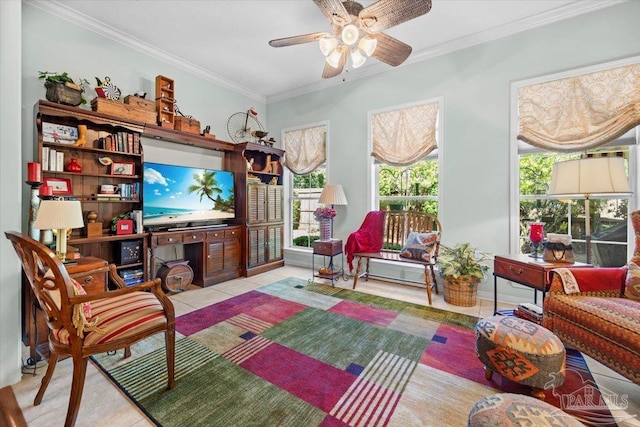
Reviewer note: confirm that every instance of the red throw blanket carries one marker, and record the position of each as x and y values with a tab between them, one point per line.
368	238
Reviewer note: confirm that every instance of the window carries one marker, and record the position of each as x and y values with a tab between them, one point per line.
557	126
407	182
305	153
608	216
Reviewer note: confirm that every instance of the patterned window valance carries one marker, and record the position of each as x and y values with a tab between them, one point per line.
305	149
580	112
404	136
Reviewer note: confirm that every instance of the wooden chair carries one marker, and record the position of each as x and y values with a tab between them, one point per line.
81	325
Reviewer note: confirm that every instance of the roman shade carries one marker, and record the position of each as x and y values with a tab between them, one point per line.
580	112
305	149
402	137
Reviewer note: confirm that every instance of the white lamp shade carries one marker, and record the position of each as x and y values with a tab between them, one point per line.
368	44
350	34
59	214
332	195
357	58
591	176
327	44
334	57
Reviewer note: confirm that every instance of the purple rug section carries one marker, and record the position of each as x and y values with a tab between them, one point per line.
311	380
364	313
198	320
276	310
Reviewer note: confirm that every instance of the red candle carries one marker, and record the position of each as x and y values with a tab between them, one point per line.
46	190
34	172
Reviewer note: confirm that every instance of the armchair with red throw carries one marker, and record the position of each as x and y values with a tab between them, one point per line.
597	311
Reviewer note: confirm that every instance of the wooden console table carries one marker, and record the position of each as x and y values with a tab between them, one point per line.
527	271
214	254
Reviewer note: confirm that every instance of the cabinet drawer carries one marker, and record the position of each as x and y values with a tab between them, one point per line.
190	237
521	273
234	232
169	239
215	235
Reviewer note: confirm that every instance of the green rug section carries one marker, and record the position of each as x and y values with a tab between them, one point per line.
415	310
202	394
340	341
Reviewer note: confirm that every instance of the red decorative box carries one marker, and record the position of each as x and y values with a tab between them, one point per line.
124	226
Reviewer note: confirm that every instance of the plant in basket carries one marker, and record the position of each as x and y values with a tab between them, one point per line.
62	89
463	267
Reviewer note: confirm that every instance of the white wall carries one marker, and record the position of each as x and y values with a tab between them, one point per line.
475	84
11	177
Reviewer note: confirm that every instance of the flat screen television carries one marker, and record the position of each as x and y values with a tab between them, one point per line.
180	196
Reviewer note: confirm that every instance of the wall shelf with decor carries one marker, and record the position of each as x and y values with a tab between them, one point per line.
108	156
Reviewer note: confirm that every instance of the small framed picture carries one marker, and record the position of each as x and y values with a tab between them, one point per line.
59	186
123	168
59	134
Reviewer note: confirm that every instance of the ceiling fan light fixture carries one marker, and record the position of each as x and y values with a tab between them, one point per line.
368	45
333	58
357	58
327	44
350	34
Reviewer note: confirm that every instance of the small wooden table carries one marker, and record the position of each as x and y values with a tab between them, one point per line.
527	271
328	248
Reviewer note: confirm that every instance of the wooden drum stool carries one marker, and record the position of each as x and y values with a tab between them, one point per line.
521	351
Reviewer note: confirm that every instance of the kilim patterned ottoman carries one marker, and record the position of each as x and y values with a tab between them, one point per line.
521	351
515	410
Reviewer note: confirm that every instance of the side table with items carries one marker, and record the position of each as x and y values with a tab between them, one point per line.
327	248
527	271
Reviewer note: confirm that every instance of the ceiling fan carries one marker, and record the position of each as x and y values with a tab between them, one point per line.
356	32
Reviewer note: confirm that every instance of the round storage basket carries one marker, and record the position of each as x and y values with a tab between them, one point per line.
176	276
461	292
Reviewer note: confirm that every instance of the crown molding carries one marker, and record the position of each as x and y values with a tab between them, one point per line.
67	13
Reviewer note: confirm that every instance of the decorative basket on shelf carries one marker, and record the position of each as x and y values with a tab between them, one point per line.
63	93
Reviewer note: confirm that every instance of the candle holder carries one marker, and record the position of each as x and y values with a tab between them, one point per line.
536	235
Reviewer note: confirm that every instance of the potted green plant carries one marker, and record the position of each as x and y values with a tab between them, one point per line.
62	89
463	267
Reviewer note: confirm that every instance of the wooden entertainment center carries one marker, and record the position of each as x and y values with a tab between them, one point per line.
249	244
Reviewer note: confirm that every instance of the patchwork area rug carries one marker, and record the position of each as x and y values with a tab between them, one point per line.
299	354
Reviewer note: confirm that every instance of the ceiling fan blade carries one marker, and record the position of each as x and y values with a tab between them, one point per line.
385	14
334	11
390	51
304	38
330	71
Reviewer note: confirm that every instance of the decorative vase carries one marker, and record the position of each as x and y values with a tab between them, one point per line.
325	228
73	166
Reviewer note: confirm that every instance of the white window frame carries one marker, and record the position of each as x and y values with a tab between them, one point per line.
517	147
288	181
373	187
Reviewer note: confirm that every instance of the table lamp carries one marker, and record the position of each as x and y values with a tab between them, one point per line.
59	215
332	194
589	177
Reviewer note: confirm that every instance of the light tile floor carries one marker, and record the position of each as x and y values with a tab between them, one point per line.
103	404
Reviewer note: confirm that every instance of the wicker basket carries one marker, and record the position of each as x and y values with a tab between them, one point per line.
63	94
461	292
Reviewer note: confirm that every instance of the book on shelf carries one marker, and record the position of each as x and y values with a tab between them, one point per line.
136	143
45	158
53	160
59	161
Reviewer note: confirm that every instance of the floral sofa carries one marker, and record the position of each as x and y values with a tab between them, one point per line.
597	311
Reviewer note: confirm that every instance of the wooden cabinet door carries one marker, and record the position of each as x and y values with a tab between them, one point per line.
274	242
256	199
257	250
274	203
215	258
232	252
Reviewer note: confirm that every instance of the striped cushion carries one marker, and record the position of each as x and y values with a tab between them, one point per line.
121	317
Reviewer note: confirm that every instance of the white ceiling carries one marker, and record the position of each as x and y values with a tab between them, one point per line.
226	41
